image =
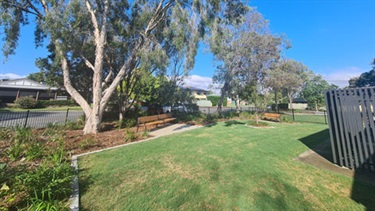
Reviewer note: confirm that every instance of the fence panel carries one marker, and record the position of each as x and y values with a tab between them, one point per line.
319	117
38	119
352	128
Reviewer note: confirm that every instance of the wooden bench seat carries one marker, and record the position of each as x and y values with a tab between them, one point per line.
166	117
154	120
272	117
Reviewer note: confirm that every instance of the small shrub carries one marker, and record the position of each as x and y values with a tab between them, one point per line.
52	129
26	102
145	134
20	143
128	123
15	151
129	135
87	143
45	202
5	134
229	114
259	124
52	179
285	119
246	115
34	150
210	118
70	125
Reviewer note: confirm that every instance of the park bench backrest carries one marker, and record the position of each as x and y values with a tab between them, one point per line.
146	119
165	116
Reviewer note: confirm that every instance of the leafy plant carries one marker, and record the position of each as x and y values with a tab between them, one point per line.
53	179
45	202
52	129
5	134
22	138
15	151
129	135
34	150
87	143
246	115
145	133
26	102
259	124
70	125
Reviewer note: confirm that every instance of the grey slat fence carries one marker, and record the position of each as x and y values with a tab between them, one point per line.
351	121
38	119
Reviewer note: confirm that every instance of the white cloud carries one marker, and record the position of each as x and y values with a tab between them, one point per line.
201	82
11	76
341	77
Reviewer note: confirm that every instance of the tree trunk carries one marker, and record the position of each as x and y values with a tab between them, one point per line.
276	103
290	100
237	102
220	103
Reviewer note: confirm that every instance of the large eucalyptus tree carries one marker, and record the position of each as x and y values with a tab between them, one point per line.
138	32
288	75
246	52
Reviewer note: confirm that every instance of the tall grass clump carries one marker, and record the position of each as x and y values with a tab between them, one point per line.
35	171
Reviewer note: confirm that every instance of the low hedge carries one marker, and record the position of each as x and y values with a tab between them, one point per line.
56	103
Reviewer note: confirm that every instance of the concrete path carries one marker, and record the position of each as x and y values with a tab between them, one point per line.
171	129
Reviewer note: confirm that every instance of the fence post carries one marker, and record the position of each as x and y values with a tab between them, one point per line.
27	117
325	116
66	116
293	115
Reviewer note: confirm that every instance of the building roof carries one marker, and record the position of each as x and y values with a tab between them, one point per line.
24	83
194	89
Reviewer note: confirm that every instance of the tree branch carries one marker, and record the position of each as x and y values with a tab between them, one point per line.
44	4
94	21
109	76
25	9
88	63
158	17
40	15
67	82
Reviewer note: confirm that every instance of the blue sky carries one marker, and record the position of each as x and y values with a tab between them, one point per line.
334	38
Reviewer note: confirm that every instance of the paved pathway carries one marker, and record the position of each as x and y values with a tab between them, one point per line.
171	129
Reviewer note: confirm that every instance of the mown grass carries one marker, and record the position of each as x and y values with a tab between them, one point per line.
221	167
305	118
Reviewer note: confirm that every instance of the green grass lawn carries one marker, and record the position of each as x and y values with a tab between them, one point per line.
222	167
305	118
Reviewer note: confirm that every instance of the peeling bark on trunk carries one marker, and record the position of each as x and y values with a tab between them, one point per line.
237	102
290	100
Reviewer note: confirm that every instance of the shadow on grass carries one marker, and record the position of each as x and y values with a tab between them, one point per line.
85	181
363	188
233	122
319	143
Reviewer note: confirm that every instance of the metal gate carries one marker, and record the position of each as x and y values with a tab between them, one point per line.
351	121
